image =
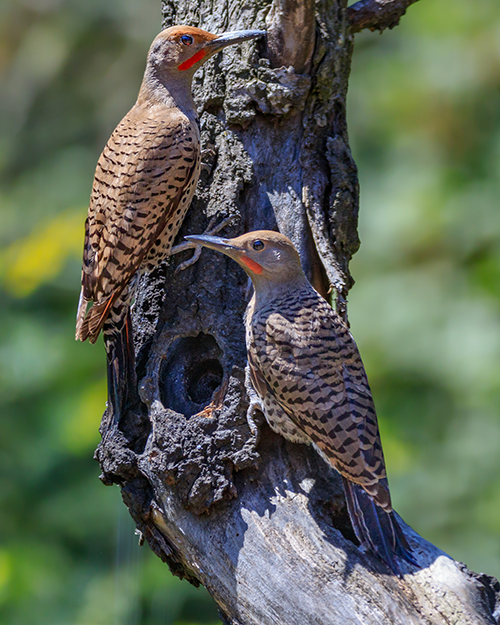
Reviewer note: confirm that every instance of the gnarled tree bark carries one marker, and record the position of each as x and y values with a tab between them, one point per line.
262	523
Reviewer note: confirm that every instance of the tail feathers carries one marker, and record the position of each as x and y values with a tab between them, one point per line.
89	324
122	383
377	529
80	315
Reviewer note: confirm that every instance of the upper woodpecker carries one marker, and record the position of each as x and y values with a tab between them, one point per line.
306	375
144	182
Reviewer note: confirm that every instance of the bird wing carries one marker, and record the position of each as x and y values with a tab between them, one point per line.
312	367
141	176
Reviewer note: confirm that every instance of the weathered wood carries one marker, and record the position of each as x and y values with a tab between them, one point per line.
260	522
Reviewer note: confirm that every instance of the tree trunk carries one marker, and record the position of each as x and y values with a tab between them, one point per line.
262	523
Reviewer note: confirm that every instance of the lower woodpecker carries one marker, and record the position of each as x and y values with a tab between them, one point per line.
305	374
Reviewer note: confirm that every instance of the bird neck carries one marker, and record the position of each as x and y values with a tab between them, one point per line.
168	88
267	290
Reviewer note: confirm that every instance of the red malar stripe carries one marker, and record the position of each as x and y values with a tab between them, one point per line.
252	265
194	59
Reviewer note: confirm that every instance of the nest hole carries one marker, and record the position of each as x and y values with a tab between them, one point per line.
203	380
191	374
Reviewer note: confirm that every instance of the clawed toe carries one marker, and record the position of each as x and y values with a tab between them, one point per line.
189	245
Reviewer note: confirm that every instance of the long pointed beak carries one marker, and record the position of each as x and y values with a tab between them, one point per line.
236	36
215	243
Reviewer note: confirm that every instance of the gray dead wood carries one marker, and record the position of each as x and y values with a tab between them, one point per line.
262	523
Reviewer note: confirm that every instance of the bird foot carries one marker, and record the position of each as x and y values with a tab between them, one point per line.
255	416
189	245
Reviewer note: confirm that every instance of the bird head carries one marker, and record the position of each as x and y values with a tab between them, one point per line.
185	48
267	257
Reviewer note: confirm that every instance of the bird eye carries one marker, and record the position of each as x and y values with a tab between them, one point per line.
258	245
187	40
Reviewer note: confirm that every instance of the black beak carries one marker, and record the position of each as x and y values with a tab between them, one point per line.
214	243
228	39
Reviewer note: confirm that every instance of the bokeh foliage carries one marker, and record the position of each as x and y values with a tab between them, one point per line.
69	70
424	113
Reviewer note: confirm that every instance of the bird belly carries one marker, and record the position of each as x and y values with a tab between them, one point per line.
160	250
281	423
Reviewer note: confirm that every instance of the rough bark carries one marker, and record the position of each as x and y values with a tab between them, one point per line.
261	523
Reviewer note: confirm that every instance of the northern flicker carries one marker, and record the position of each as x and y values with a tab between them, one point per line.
306	375
144	182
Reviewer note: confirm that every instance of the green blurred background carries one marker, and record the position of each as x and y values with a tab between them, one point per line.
424	115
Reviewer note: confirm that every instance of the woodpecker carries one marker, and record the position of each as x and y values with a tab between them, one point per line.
305	374
144	183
